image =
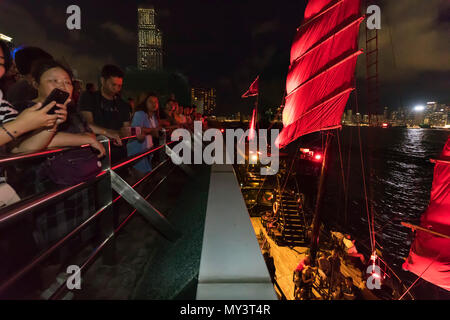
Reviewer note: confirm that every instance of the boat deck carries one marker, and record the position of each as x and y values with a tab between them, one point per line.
286	260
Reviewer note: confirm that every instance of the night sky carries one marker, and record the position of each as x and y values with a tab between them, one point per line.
225	44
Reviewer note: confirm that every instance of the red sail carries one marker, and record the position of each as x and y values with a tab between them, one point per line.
429	256
323	60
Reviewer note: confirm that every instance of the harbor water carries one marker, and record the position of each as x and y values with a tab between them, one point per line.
398	175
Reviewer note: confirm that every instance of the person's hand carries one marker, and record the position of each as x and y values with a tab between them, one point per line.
34	117
61	112
140	136
115	138
97	145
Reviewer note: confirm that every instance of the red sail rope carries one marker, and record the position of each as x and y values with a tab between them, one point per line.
429	256
323	60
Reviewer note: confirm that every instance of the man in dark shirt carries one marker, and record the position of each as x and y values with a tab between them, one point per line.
104	110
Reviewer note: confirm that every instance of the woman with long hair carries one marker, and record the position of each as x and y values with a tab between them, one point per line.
146	120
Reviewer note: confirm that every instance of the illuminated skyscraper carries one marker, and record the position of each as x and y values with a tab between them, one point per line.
204	99
150	55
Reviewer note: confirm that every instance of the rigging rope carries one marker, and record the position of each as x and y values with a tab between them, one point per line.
348	176
432	261
292	164
341	161
342	167
369	219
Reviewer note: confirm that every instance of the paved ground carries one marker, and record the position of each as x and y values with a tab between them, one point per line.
148	265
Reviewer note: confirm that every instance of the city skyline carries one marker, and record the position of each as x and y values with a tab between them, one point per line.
225	45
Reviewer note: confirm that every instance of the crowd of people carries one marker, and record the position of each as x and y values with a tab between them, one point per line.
326	274
42	106
27	125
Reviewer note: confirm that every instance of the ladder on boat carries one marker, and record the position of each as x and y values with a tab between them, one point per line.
293	221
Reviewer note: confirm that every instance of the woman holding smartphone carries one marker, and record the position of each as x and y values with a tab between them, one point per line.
63	169
47	76
13	125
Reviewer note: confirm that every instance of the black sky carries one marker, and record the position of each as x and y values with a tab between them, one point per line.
226	43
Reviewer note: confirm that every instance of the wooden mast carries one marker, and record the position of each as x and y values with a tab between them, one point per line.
317	212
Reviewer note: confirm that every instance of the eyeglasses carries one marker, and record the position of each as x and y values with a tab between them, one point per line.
58	82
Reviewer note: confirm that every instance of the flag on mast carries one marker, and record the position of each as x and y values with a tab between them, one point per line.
253	90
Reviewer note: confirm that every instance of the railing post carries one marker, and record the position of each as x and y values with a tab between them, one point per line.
107	221
163	141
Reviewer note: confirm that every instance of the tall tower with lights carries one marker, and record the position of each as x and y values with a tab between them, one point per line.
150	55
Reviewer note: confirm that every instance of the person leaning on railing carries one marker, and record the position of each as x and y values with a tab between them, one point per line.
48	75
64	169
14	124
146	119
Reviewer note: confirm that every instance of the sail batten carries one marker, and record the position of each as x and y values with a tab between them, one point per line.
323	60
319	14
348	57
330	37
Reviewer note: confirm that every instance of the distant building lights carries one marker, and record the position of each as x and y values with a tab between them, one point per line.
4	37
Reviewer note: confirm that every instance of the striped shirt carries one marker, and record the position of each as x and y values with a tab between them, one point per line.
7	113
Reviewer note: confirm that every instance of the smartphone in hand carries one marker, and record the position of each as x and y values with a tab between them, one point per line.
57	95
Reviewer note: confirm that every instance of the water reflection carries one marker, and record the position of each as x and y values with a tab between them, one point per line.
399	176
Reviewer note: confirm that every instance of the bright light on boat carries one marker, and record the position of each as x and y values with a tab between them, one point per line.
419	108
385	125
376	275
318	156
254	157
304	150
5	37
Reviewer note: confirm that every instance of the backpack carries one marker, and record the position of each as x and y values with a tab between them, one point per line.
72	166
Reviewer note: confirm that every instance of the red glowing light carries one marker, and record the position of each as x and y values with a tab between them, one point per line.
222	130
318	157
376	275
385	125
